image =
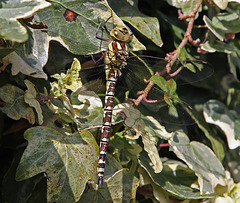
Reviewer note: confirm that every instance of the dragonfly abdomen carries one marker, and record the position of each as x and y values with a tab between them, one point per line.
116	57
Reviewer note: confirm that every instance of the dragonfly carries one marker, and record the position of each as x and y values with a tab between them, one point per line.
116	59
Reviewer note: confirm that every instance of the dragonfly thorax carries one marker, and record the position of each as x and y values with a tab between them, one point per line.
120	33
116	55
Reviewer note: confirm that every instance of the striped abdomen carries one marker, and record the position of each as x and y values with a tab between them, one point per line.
116	57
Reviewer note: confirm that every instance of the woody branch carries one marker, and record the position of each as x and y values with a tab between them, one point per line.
172	57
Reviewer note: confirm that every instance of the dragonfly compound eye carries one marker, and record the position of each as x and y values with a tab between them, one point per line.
120	34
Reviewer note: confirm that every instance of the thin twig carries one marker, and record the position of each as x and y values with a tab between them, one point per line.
172	57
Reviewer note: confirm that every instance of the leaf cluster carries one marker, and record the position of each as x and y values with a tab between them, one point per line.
50	121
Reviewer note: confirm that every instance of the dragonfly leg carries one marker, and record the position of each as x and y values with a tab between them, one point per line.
98	31
105	25
99	59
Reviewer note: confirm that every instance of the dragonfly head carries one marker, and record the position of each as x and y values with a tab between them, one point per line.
121	33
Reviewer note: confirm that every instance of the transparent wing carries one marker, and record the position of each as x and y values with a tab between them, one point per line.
162	100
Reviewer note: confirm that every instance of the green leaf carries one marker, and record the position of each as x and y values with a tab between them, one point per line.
15	106
217	46
121	187
190	67
30	99
201	160
119	141
172	179
186	6
146	127
182	57
148	26
237	128
217	113
159	193
216	31
224	23
234	58
79	36
89	111
169	87
160	82
222	4
10	11
69	81
68	160
28	66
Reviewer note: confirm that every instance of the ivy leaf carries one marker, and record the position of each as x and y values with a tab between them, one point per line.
169	87
122	191
79	36
222	4
27	65
198	156
218	46
30	99
222	24
146	127
121	187
69	81
171	180
186	6
88	108
217	113
234	58
160	82
159	193
68	160
148	26
10	11
15	106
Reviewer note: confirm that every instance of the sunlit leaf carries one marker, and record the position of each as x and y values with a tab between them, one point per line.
146	127
79	36
222	24
218	46
30	99
222	4
209	175
88	108
69	81
216	143
234	58
217	113
122	186
148	26
10	11
28	66
69	161
186	6
174	181
159	193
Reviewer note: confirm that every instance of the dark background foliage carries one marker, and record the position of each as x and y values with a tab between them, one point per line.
58	159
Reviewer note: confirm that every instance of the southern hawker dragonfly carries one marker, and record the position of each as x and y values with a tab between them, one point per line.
117	59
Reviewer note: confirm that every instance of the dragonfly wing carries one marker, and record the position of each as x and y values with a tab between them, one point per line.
192	71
